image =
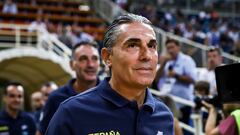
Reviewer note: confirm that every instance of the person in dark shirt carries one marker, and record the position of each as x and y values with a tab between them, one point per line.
14	121
36	105
85	63
121	104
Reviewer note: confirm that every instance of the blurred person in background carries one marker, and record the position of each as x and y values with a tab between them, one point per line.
85	62
13	120
176	75
201	92
38	25
228	126
78	35
37	104
214	59
46	89
172	106
10	7
201	89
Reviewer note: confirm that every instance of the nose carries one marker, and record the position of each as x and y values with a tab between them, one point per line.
145	54
90	63
17	99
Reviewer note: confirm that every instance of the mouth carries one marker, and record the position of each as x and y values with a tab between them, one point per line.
91	72
144	70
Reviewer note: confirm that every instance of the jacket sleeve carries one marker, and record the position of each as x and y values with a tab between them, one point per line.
47	114
60	123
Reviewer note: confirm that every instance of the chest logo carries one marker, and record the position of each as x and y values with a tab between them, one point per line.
159	133
106	133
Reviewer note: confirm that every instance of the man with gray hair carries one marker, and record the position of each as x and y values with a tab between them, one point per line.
85	63
121	104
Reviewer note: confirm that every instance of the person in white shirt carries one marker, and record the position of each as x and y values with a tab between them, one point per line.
9	7
214	59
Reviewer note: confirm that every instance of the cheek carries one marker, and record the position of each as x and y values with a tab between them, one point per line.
80	66
155	57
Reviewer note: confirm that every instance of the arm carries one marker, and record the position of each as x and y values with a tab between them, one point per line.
177	128
189	72
182	78
163	60
210	127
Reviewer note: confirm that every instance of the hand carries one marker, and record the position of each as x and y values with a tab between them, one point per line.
171	73
164	58
208	106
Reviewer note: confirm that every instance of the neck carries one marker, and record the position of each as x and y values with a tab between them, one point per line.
12	113
82	85
129	92
175	57
211	67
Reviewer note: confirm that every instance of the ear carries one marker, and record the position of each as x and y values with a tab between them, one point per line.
72	64
4	98
106	56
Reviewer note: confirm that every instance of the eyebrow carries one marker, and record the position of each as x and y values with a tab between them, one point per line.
132	40
152	41
138	40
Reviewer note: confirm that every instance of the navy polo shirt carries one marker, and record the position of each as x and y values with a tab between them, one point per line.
102	111
53	102
22	125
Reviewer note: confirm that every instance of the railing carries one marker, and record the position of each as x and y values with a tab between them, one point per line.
14	35
194	49
197	119
108	10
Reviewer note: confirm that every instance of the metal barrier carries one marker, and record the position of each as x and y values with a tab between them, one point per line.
197	119
15	35
12	35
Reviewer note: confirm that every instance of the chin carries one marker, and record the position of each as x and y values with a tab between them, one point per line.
91	78
145	82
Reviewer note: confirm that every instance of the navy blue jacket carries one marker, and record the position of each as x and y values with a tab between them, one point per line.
53	102
24	124
103	111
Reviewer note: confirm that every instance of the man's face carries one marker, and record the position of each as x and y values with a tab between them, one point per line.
86	63
37	100
14	98
134	56
214	59
173	49
46	92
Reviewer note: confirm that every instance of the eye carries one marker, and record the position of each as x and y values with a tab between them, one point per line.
132	45
95	58
152	46
82	58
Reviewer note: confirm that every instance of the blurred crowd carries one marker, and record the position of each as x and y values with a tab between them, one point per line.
206	27
177	75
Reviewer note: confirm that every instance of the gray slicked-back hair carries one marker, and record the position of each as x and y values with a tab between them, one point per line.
113	30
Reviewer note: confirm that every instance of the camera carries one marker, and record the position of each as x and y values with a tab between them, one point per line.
228	85
214	100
